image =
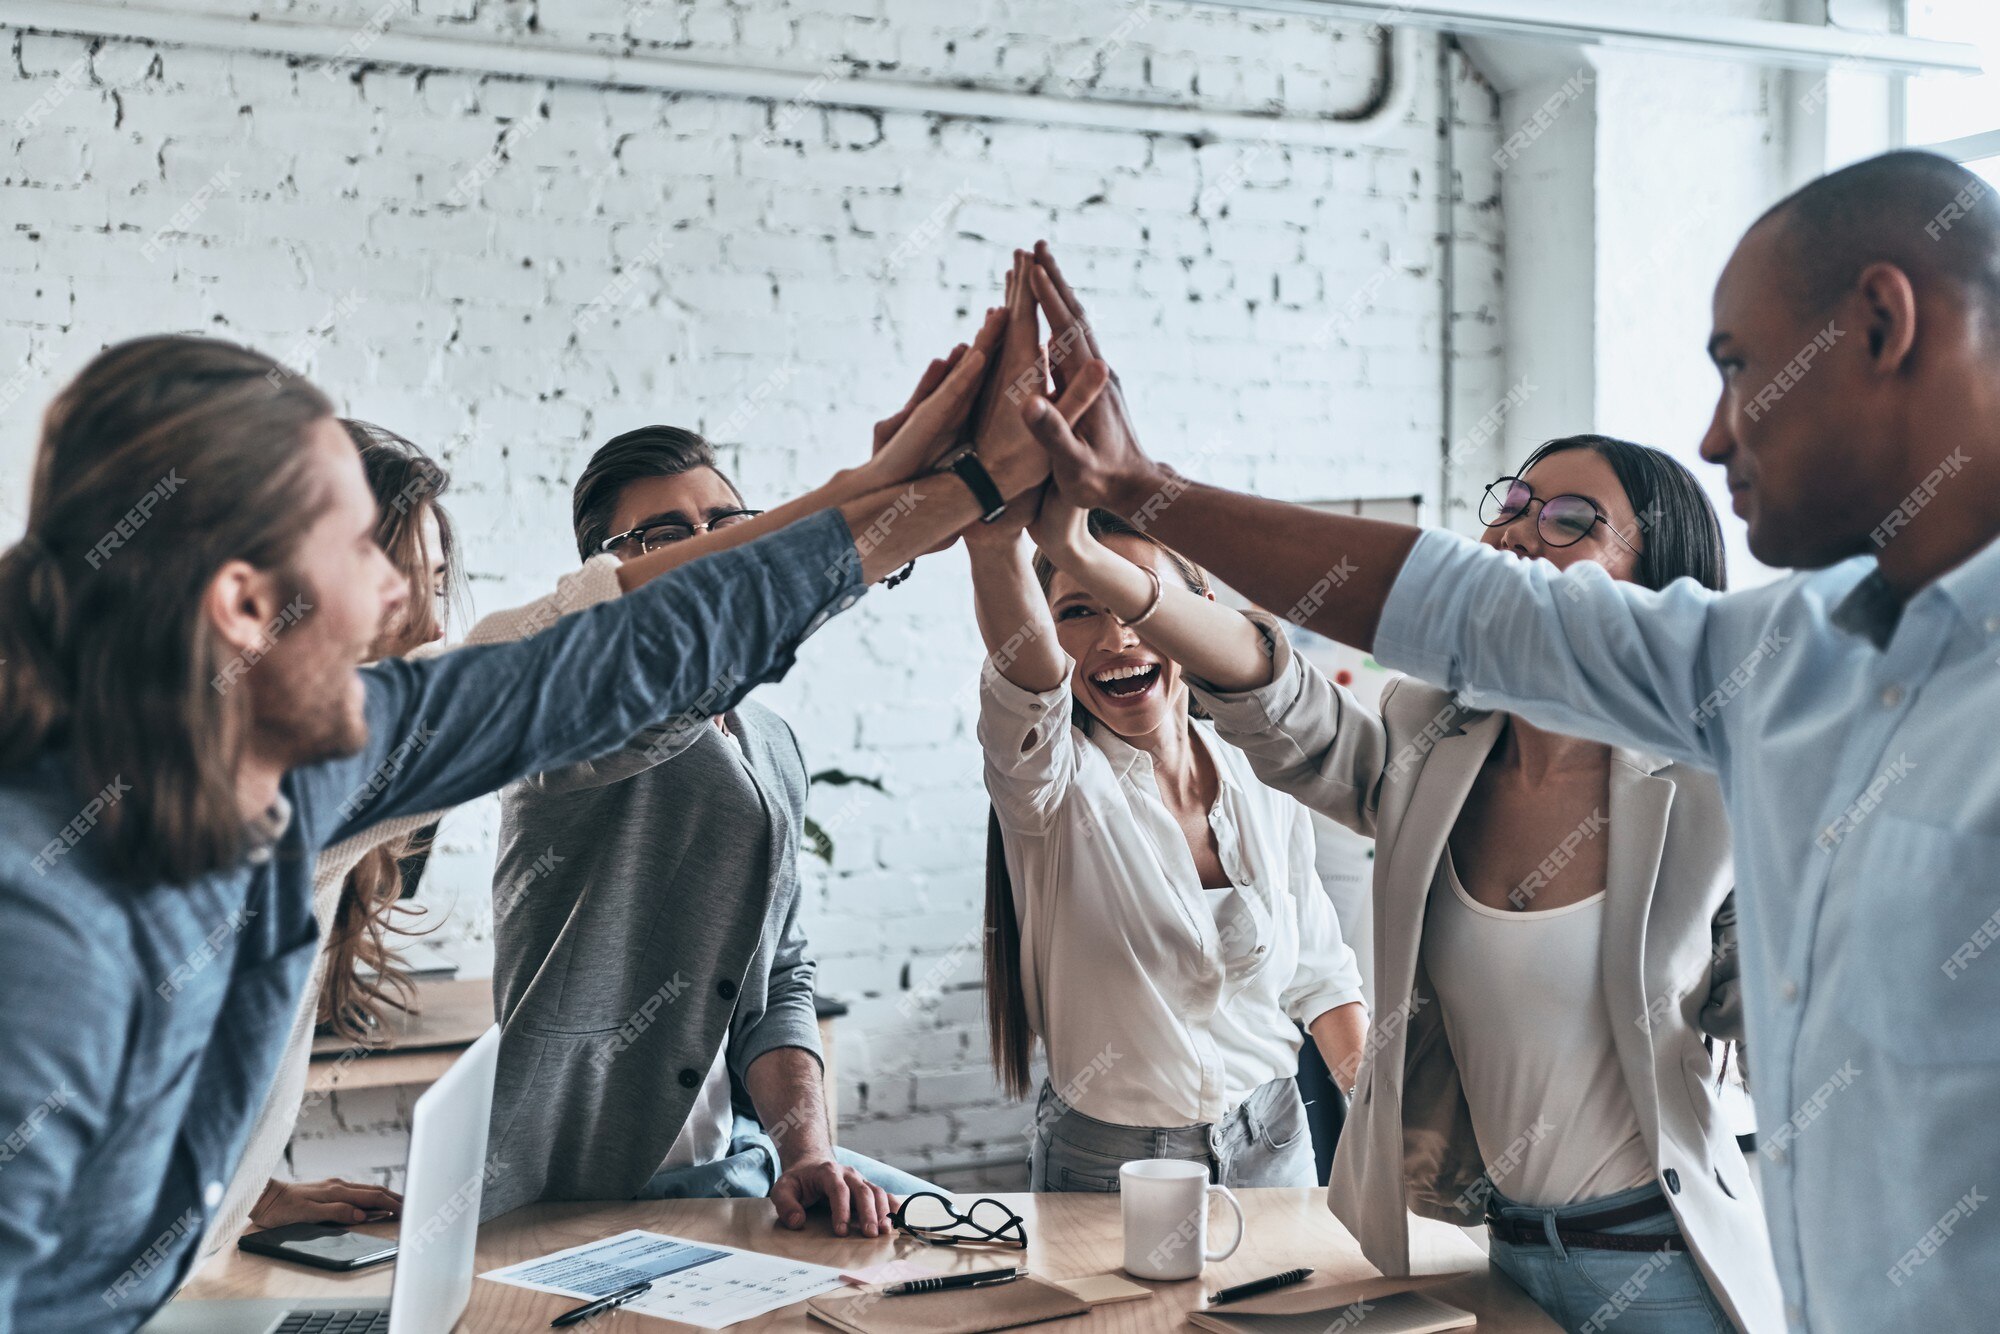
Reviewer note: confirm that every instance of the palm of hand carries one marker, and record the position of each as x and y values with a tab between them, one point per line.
1016	372
1110	447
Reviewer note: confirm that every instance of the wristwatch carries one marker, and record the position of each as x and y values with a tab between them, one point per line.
965	465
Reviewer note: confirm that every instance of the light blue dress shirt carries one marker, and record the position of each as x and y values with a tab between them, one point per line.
1859	755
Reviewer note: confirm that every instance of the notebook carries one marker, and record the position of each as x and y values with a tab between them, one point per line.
1025	1301
1103	1289
1375	1306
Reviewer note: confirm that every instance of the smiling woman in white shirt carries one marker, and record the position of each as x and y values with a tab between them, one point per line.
1153	915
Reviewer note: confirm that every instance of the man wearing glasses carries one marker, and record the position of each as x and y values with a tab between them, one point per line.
657	886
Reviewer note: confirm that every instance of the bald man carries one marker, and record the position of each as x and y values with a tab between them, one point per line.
1850	709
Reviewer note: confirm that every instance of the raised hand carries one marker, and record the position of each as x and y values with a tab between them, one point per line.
1099	462
1006	445
912	440
1017	371
1016	457
927	383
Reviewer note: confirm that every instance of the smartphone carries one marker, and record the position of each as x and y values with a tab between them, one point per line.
321	1245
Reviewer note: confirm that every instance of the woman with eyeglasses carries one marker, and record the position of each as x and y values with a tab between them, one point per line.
1555	978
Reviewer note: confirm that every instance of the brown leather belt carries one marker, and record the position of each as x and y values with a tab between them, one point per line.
1531	1232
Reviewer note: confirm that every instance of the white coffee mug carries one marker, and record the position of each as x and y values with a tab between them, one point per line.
1165	1203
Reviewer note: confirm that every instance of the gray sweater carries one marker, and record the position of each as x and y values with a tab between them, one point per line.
645	908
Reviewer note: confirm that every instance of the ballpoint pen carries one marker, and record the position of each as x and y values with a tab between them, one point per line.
1259	1285
604	1303
947	1282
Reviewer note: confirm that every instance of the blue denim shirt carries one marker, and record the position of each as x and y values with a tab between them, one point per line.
140	1028
1854	739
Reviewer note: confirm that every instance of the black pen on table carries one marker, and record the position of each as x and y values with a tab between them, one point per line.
1258	1286
949	1282
604	1303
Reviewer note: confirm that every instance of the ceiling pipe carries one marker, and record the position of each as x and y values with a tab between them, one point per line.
535	59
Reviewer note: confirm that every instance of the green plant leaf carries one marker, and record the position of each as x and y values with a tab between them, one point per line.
816	842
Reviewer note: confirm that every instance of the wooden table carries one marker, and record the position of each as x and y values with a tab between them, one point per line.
1069	1236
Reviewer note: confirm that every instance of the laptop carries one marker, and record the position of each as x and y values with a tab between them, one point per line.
440	1225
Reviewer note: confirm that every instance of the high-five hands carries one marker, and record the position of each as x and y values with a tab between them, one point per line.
1018	375
1094	454
1000	385
1021	372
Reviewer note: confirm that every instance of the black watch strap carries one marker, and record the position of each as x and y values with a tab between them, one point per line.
968	469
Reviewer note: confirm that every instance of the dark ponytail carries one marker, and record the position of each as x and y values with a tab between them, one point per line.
1007	1031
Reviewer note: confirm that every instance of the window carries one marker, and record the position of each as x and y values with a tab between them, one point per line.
1959	116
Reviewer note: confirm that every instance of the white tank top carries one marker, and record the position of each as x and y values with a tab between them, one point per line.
1522	998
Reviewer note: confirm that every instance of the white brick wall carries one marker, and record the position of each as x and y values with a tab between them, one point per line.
753	295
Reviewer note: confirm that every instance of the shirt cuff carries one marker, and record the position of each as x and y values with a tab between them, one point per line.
1327	998
1419	628
1030	708
773	1033
826	535
816	552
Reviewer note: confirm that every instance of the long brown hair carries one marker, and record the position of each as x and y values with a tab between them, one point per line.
1011	1039
164	459
405	481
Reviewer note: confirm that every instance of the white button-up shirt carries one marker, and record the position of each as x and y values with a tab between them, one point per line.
1161	1003
1857	755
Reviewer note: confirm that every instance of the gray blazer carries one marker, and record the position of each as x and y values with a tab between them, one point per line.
1669	964
645	907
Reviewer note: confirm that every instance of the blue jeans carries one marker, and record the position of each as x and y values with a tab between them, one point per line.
1592	1291
750	1168
1265	1142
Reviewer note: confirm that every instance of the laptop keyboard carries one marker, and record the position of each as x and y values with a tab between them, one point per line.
334	1322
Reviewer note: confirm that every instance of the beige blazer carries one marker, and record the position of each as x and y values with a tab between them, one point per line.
1669	964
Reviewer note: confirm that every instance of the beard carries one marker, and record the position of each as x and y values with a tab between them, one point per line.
325	724
307	700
